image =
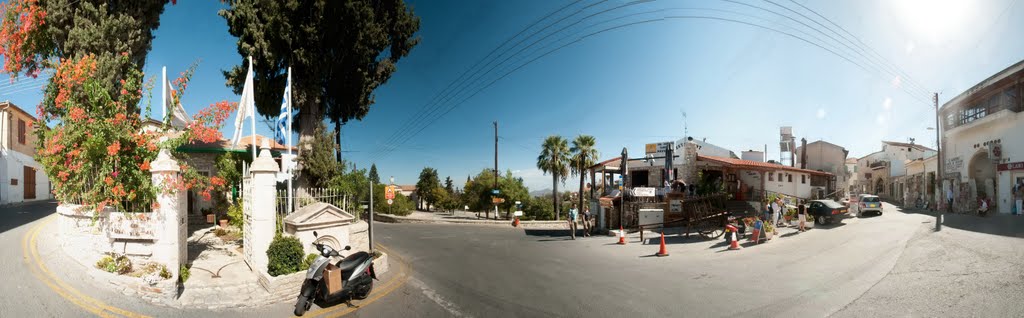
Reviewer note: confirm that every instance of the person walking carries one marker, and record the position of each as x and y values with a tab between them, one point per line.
982	206
587	227
801	215
572	220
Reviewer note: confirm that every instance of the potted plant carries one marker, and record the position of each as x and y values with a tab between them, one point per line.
223	222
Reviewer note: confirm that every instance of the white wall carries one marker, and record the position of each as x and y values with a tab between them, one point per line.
794	188
959	147
13	164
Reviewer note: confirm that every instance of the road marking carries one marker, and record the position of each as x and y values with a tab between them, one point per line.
432	295
398	281
41	272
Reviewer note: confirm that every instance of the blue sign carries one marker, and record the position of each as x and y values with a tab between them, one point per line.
495	191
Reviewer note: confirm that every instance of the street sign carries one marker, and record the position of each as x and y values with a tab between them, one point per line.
390	201
518	213
498	200
495	191
644	192
658	147
389	193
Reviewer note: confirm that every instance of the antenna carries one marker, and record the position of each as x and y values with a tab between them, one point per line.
685	129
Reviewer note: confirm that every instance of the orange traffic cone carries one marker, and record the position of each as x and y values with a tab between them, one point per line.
735	245
622	236
663	252
515	223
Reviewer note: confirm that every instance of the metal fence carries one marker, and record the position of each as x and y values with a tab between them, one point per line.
302	197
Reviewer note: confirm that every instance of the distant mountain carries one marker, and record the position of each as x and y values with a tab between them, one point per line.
540	193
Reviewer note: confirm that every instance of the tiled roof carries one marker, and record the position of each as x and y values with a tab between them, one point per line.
757	165
246	142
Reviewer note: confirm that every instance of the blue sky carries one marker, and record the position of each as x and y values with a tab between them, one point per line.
737	83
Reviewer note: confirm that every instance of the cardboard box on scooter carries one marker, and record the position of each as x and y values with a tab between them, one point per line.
333	275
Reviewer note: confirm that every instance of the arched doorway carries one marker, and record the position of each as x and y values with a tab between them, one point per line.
982	170
879	187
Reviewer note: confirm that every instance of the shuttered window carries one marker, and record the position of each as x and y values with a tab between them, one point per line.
21	131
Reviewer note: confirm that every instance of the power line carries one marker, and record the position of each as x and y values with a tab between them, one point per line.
388	147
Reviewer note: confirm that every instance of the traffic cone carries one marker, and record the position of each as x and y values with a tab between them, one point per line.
622	236
515	223
735	245
663	252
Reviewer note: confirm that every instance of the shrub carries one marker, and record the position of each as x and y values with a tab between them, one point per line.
236	215
284	255
166	274
106	263
183	273
309	260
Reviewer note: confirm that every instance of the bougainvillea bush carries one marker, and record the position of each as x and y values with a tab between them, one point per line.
91	144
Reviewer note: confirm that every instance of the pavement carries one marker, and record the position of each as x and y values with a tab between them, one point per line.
41	279
877	266
463	217
885	266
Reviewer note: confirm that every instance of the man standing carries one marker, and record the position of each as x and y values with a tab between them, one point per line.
949	199
587	227
1019	195
776	210
572	220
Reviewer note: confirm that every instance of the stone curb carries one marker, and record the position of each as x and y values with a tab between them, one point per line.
387	218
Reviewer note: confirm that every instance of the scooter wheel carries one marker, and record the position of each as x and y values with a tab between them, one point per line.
364	291
301	305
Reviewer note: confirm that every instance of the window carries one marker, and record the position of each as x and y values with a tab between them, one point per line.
789	178
21	131
803	179
780	177
771	177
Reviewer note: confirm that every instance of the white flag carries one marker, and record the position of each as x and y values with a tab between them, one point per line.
246	106
179	118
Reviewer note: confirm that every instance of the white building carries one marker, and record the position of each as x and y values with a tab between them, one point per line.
983	141
828	157
21	177
879	172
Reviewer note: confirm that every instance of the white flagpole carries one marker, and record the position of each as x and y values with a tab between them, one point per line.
163	95
252	101
291	157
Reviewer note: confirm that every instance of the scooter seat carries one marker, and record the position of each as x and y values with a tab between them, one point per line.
349	264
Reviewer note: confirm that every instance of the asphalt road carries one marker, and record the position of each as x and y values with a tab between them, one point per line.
892	265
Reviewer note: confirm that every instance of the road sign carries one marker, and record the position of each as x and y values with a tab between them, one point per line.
389	193
390	201
498	200
518	213
495	191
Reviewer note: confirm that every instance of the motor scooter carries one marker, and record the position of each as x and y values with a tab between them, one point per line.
357	277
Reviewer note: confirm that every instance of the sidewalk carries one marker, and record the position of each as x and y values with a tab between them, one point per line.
994	223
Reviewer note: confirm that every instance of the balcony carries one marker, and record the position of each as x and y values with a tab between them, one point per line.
878	164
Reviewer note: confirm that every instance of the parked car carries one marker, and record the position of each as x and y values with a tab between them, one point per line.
868	203
826	211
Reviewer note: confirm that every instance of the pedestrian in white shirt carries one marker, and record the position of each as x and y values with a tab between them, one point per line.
776	211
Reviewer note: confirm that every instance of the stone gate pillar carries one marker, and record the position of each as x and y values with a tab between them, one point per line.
263	219
170	230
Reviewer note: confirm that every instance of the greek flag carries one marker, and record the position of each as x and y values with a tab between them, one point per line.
286	108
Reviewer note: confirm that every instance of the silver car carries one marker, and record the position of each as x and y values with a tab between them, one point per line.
867	203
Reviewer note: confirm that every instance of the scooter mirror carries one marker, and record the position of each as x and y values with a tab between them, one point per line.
348	247
314	234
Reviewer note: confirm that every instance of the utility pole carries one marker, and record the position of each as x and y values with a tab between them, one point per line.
495	165
938	150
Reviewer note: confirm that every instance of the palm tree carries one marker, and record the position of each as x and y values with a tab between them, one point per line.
584	155
554	159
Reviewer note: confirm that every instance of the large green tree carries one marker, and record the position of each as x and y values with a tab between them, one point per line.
38	34
339	52
373	174
554	159
318	164
428	181
584	155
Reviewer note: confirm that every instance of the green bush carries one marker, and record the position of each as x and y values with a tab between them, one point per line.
164	272
183	273
284	255
309	260
107	264
236	215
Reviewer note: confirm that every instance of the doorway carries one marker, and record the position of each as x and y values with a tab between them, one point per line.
30	183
